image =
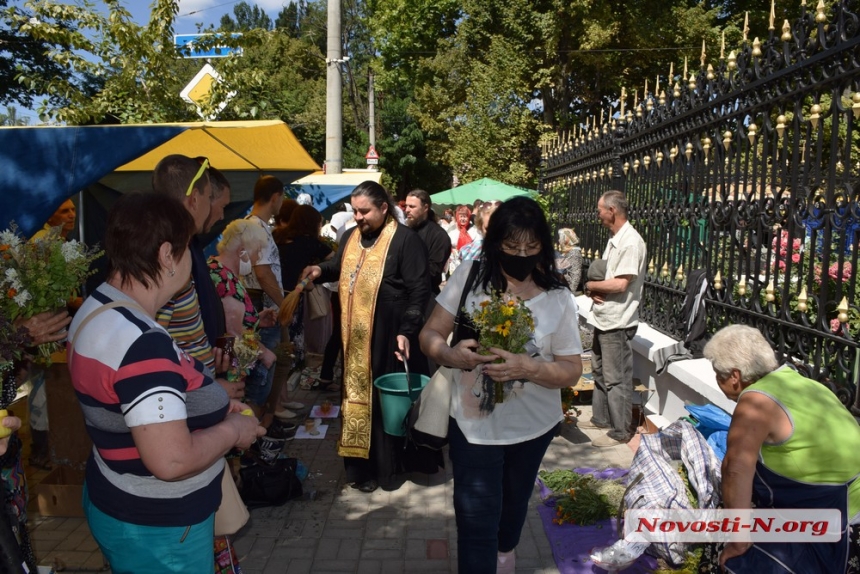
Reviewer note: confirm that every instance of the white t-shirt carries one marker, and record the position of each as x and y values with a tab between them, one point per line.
268	256
529	410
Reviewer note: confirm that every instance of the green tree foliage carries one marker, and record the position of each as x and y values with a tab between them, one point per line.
131	67
247	18
488	78
11	118
21	53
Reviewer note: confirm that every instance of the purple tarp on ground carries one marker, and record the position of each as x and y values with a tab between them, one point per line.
572	544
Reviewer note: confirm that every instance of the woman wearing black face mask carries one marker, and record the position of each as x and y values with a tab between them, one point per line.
496	447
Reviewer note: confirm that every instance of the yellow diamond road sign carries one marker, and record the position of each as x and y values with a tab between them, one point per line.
198	90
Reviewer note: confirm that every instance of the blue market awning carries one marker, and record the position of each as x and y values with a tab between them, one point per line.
328	189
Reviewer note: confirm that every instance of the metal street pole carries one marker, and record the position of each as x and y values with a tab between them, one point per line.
371	116
334	93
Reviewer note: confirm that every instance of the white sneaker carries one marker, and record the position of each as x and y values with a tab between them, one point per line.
506	562
285	414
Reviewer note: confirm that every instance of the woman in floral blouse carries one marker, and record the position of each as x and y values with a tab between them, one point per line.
239	248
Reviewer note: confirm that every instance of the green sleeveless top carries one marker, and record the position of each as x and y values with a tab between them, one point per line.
824	446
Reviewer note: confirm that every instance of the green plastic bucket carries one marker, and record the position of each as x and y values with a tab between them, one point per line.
395	399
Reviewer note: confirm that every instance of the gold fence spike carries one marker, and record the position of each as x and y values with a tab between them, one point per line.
820	15
710	73
855	107
801	300
692	82
651	267
659	158
727	139
596	254
718	281
673	153
843	310
688	151
814	116
626	167
679	275
742	285
752	130
706	145
768	292
676	91
780	125
756	50
786	31
647	161
635	165
664	272
733	60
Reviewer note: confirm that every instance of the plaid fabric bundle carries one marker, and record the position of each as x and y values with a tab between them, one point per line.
661	485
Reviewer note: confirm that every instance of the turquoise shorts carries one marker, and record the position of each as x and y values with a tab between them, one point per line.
136	549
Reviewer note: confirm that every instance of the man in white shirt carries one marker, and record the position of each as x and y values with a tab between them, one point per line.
615	314
266	276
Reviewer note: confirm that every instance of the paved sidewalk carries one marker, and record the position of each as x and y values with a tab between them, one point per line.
339	529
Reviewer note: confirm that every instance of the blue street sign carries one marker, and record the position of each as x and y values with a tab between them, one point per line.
186	43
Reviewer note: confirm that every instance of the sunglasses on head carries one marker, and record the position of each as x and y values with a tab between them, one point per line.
204	165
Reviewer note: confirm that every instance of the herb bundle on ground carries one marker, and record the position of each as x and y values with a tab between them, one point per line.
582	499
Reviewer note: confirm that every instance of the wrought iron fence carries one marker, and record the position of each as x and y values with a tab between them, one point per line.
748	169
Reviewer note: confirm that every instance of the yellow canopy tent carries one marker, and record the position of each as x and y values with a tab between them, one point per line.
243	150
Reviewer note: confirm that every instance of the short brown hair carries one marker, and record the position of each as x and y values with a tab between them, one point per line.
137	225
174	173
266	188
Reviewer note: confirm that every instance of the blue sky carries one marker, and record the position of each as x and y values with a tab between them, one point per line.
192	12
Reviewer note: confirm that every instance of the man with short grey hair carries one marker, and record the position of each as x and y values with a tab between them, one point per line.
615	315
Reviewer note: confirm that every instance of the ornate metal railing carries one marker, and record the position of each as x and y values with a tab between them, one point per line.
749	170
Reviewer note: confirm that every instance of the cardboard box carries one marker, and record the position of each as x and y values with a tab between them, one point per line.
60	493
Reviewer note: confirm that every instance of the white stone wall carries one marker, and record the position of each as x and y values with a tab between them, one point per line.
687	381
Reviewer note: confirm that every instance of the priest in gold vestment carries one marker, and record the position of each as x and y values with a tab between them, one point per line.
384	287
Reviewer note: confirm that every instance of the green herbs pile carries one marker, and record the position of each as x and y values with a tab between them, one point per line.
582	499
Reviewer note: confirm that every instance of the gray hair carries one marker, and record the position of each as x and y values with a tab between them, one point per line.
567	239
617	200
742	348
242	232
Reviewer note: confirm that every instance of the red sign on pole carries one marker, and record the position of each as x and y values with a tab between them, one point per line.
372	157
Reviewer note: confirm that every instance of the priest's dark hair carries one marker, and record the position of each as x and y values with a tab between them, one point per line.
376	194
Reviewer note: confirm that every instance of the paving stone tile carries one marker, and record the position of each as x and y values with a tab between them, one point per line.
321	566
369	567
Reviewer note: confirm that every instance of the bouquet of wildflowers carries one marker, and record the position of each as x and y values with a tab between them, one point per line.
246	353
41	275
503	322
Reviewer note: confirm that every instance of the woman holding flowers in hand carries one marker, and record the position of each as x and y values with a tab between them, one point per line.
239	249
160	425
496	447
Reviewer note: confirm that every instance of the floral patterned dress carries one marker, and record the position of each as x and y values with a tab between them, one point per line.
227	284
15	546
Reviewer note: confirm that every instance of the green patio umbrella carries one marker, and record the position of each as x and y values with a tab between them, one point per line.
485	189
